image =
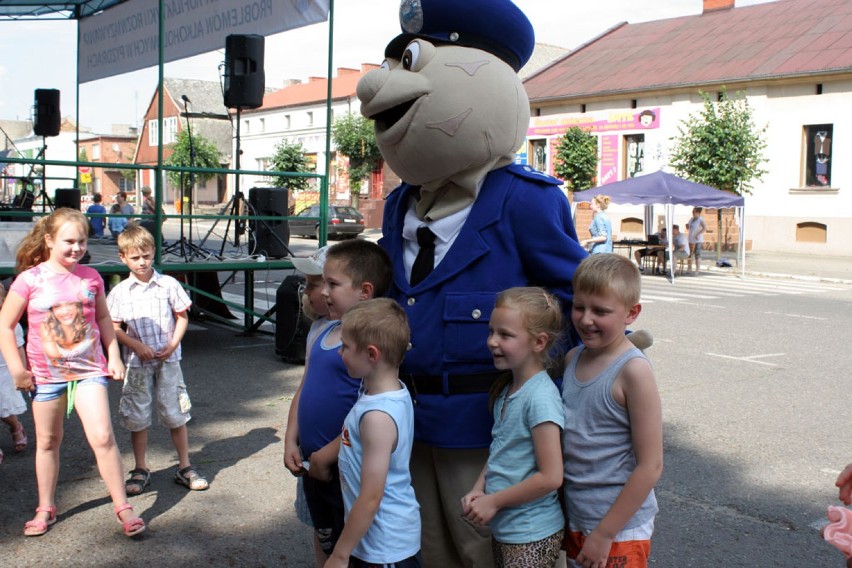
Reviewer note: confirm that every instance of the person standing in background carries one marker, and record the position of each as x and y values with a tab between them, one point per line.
696	227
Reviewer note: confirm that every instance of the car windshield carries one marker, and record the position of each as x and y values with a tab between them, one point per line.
347	212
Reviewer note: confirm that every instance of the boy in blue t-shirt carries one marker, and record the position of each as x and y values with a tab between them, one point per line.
382	514
354	271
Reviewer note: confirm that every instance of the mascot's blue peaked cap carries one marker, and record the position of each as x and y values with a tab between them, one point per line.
496	26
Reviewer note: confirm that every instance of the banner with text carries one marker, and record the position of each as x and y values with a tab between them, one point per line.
126	37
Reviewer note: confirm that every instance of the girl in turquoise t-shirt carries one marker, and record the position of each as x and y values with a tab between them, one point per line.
516	493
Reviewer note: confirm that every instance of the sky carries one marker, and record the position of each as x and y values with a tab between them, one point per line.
41	54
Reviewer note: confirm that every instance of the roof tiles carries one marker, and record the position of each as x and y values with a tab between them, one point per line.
778	39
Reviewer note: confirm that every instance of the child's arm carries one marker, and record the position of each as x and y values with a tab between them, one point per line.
323	459
144	352
292	453
844	482
379	434
636	390
11	312
548	457
114	364
181	323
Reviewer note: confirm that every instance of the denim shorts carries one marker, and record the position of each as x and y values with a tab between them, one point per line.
52	391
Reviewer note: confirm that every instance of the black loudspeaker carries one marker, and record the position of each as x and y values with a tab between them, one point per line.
244	76
291	325
47	115
269	237
69	198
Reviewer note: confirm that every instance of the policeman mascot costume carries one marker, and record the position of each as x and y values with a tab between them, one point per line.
450	112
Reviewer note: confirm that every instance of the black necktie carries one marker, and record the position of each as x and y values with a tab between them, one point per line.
425	261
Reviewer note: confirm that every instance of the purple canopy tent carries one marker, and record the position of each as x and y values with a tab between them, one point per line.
661	188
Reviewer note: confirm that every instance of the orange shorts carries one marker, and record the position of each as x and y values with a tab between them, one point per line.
626	554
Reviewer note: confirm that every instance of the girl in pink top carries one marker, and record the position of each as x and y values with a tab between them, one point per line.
67	320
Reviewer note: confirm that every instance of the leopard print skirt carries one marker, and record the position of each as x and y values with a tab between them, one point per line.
539	554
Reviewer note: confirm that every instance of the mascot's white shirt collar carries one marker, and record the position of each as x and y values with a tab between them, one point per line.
446	230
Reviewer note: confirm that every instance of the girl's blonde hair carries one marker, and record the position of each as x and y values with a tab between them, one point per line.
541	313
33	249
602	201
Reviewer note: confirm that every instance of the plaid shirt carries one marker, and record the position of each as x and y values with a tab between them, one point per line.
148	310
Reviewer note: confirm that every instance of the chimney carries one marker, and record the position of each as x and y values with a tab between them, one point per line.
291	82
369	67
341	71
315	79
717	5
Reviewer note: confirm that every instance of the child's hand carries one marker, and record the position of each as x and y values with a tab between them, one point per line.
166	351
844	482
116	369
335	562
482	509
470	498
595	551
293	460
24	381
145	353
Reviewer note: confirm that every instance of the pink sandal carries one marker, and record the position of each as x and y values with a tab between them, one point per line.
38	527
19	437
132	527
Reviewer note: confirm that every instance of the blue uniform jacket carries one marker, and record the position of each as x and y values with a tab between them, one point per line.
519	233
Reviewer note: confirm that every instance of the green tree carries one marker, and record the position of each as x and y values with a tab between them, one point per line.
206	156
290	157
721	147
577	159
355	137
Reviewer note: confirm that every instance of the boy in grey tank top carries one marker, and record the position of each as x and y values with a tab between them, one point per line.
613	437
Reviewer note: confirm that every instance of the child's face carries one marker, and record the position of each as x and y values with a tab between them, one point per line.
357	361
68	246
600	319
338	290
511	344
140	262
313	290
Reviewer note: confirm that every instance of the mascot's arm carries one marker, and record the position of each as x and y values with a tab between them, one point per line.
544	230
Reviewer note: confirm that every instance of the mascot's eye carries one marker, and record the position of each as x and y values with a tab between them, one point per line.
411	55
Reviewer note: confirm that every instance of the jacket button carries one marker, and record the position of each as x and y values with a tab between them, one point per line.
411	301
476	314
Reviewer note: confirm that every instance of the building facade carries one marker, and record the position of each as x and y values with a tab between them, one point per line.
634	85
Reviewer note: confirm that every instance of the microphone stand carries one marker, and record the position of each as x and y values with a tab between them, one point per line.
188	250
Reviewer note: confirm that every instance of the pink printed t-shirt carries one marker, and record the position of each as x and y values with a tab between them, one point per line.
63	339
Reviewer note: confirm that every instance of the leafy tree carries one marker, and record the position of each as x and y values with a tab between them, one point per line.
206	156
355	137
577	159
290	157
721	147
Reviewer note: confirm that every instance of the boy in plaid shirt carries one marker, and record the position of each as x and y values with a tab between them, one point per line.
153	308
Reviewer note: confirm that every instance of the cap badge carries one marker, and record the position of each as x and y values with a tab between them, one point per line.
411	16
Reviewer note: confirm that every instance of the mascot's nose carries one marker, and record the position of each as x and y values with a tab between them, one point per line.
370	84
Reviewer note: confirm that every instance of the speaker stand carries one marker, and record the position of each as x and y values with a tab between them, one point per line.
238	203
45	199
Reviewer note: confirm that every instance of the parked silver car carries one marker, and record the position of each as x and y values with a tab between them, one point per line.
343	222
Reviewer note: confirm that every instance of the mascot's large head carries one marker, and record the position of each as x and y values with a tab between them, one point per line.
447	103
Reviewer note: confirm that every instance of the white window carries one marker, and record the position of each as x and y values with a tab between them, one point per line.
170	130
246	128
261	124
310	118
286	122
96	151
153	132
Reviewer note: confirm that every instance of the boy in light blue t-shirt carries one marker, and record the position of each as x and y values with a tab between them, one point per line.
382	514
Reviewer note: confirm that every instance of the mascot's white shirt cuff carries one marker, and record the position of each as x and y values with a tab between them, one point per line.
446	230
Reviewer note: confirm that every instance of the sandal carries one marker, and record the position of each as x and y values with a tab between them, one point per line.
132	527
19	436
191	478
38	527
137	482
